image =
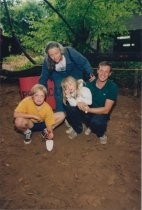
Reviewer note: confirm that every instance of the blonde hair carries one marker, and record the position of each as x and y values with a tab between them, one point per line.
77	83
37	87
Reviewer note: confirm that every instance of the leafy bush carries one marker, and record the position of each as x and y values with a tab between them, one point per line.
125	77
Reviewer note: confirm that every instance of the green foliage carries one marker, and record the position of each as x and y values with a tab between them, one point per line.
86	21
22	13
89	20
125	76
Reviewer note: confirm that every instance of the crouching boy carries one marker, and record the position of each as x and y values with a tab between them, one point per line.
34	114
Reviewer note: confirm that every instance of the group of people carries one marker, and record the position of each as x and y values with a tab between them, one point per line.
84	101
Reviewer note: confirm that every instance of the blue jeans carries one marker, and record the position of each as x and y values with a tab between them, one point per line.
96	122
74	118
58	95
38	126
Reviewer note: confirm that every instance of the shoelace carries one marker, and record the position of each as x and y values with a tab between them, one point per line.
28	135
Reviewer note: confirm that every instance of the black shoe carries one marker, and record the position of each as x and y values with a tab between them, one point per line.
44	135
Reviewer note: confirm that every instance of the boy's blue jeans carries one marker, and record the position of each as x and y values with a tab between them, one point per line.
96	122
38	126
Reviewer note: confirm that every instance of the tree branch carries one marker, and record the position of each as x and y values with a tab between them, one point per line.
14	34
63	19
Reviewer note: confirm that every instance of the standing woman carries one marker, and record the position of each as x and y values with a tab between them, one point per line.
60	62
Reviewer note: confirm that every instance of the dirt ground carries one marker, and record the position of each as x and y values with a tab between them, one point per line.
77	174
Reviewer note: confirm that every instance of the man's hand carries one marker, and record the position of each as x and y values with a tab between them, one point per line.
83	106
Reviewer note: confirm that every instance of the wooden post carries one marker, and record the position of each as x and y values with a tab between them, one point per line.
136	83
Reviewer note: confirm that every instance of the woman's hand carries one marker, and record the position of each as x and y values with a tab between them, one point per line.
92	77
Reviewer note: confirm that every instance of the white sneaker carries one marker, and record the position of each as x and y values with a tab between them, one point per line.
67	124
49	145
28	134
87	131
72	135
103	139
69	130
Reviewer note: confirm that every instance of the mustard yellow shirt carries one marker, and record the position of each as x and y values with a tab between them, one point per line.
44	111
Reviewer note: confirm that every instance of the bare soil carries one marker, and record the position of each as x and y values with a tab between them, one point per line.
79	173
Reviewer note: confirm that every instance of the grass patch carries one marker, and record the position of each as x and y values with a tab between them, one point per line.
20	62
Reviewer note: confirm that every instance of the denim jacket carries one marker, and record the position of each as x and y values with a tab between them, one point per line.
76	65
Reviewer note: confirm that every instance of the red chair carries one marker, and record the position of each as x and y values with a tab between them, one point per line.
26	83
